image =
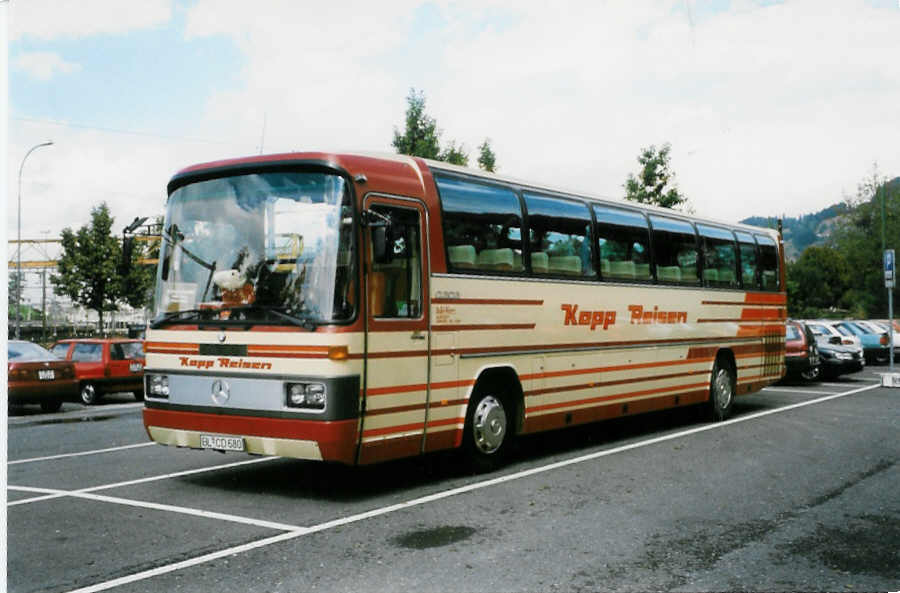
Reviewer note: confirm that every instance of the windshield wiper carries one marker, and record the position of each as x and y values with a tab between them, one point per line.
184	315
176	238
306	322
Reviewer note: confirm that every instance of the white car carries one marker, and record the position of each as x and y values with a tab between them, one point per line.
826	328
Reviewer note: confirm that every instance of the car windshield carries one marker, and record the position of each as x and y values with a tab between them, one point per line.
28	352
791	332
271	247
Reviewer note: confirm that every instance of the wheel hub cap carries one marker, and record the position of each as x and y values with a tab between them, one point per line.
489	425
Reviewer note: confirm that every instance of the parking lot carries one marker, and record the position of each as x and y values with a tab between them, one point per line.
797	491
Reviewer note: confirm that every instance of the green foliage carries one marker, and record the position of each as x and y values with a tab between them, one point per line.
421	137
845	277
454	155
655	183
487	160
817	282
15	282
89	267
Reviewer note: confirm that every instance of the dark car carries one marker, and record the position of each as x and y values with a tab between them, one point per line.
105	365
37	376
801	353
838	359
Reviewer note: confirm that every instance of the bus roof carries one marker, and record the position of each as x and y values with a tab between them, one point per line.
352	161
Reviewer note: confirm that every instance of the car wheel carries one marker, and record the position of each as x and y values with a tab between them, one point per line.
721	390
811	374
88	394
51	406
487	436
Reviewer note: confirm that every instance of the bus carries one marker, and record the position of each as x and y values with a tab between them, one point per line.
358	308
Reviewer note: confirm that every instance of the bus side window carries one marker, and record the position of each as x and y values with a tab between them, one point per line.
747	251
768	262
675	251
719	257
482	226
559	237
623	244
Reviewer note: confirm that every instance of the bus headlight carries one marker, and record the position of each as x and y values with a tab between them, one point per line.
306	395
158	385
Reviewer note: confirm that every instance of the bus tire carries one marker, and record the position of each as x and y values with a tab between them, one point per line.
721	390
488	431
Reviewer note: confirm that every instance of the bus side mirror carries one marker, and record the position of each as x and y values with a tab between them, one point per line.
127	254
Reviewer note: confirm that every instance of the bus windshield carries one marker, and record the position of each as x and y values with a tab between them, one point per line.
272	247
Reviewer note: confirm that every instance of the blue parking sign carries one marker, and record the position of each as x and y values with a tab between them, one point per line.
889	268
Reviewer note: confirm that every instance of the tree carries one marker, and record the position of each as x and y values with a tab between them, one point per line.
89	267
421	137
858	237
487	160
817	282
455	155
655	184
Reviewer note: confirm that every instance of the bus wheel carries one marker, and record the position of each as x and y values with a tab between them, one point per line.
721	390
486	438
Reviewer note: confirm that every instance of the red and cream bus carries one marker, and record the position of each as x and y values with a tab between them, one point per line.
355	308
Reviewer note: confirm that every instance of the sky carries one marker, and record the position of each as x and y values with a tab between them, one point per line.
771	108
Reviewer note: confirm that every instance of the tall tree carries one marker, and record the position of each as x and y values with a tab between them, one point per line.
655	183
420	137
487	160
89	267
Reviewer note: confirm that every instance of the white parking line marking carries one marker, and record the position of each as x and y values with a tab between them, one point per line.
93	452
160	507
789	390
165	569
140	481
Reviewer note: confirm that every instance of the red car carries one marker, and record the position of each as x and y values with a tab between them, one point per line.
105	365
801	354
37	376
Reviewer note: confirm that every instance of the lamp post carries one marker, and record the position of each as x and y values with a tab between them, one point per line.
19	237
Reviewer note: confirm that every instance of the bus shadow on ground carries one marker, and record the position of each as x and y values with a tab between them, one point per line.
338	483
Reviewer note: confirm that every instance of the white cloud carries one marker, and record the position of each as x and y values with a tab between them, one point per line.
53	19
43	65
769	110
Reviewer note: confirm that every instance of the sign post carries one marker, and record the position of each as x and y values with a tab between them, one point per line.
890	275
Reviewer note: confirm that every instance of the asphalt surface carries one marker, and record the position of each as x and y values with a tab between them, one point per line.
799	491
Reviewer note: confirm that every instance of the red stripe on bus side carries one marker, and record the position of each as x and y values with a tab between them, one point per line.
476	327
617	396
448	301
601	384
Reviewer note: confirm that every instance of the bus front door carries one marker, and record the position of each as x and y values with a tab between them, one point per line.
397	337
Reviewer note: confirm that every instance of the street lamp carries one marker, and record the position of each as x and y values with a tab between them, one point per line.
19	237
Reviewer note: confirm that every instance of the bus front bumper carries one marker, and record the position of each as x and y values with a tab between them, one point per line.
300	439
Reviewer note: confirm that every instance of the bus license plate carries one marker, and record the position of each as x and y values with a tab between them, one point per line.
221	443
46	375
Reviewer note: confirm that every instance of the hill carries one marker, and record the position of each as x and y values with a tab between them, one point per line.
805	230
